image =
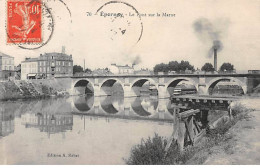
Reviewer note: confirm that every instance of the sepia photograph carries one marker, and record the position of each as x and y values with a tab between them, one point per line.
129	82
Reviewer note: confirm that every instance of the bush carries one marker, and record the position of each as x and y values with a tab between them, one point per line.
150	151
238	108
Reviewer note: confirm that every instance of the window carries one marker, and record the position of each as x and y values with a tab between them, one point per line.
40	70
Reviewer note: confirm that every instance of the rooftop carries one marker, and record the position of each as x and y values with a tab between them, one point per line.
5	55
61	56
122	66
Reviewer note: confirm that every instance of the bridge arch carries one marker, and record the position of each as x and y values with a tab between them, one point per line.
175	81
212	83
107	84
137	85
83	86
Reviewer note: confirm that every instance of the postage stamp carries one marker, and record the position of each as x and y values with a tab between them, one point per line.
24	19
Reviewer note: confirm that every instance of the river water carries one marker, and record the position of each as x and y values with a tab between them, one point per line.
79	130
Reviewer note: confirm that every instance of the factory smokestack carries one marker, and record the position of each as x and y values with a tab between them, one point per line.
215	59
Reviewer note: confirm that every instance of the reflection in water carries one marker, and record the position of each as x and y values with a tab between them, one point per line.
84	103
108	129
144	107
6	121
50	123
112	104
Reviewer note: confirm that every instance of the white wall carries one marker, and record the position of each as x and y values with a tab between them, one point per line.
27	68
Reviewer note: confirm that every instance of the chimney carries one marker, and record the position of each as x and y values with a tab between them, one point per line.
215	59
63	50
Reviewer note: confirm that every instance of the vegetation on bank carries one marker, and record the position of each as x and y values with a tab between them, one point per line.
11	90
151	151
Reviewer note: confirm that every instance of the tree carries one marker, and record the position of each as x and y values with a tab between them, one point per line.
161	68
87	70
226	67
173	66
77	68
185	65
208	67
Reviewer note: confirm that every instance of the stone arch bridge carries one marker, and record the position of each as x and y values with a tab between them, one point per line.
101	85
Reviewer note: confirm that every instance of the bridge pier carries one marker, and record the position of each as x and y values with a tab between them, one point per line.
161	110
96	105
202	89
127	107
128	92
96	90
162	91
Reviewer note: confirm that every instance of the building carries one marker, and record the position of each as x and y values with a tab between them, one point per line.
254	71
119	69
47	65
6	66
143	72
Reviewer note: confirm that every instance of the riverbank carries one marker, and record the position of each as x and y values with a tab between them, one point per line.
228	143
12	90
243	144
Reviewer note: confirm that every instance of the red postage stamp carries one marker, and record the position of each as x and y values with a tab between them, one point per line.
24	21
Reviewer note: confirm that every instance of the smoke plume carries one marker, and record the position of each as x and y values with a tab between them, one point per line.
207	32
137	60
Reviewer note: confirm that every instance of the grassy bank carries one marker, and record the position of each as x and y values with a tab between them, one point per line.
151	151
12	90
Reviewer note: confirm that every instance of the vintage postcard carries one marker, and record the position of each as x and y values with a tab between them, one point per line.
129	82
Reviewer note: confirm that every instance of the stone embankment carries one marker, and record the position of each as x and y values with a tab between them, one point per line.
11	90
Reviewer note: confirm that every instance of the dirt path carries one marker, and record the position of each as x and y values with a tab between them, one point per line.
244	146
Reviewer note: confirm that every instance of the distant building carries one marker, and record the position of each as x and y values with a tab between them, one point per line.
254	71
47	65
121	69
143	72
6	66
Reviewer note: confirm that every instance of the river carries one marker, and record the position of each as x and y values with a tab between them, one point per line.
79	130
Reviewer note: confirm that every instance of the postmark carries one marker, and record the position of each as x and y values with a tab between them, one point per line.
24	19
123	21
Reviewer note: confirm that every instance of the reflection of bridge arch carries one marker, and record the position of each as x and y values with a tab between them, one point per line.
109	104
138	107
83	86
175	81
107	84
138	84
211	84
84	104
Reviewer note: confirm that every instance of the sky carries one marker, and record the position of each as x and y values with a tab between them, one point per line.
101	40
